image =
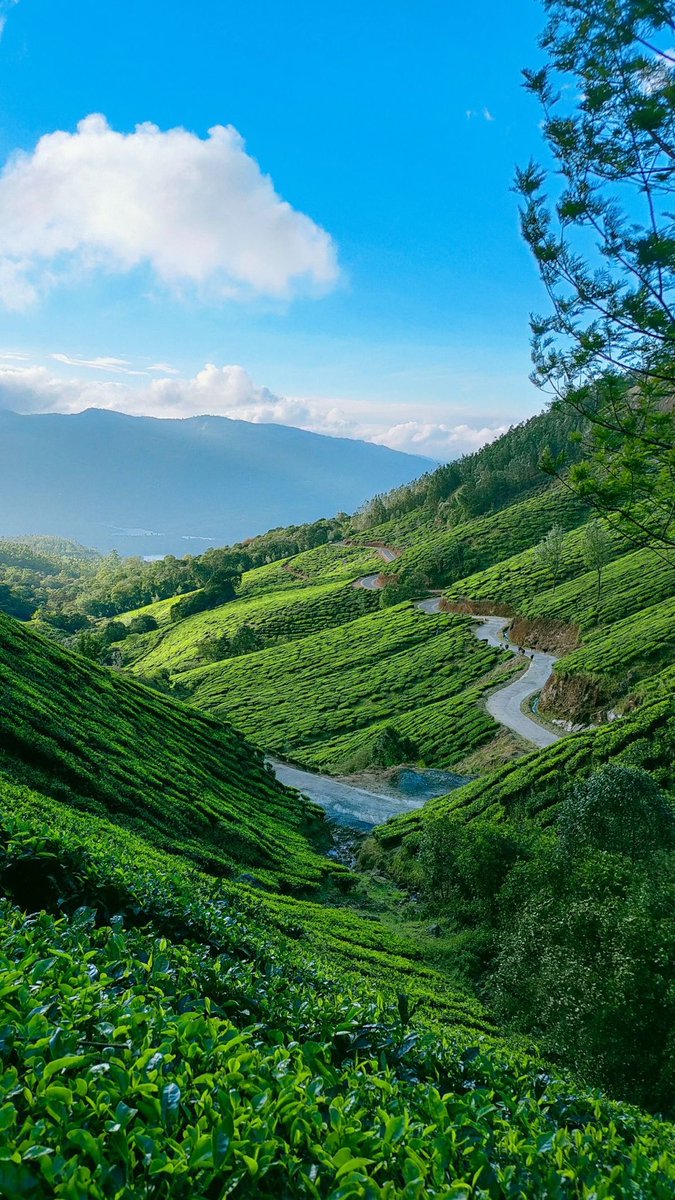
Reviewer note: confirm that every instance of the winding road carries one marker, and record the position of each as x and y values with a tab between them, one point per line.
361	809
506	704
372	582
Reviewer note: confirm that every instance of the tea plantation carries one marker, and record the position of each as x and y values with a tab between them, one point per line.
166	1033
203	994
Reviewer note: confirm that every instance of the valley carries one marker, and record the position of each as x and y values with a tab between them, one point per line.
337	601
154	809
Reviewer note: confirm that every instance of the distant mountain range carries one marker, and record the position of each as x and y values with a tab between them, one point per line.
146	486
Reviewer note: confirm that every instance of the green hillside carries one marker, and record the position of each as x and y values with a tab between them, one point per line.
236	1011
178	1033
347	679
98	741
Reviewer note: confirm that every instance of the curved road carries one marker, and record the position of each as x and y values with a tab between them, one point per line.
372	582
361	809
506	704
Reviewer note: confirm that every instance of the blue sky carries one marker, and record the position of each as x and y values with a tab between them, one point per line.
395	308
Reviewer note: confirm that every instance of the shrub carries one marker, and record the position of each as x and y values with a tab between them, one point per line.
142	624
115	631
391	748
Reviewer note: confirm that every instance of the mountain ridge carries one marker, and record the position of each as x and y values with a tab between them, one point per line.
149	485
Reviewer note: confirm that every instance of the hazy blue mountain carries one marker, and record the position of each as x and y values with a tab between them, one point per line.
147	486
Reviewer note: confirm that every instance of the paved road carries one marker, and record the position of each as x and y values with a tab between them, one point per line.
432	605
387	554
372	583
505	705
344	804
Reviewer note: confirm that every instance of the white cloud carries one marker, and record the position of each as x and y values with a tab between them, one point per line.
118	366
198	212
438	439
164	369
5	6
229	391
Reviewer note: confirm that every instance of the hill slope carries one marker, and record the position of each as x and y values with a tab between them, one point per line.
103	743
169	1032
147	486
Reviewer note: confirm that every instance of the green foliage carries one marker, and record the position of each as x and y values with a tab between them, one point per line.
142	624
604	243
496	476
445	557
618	809
632	582
597	551
276	614
585	965
535	785
628	649
390	748
114	631
412	586
549	552
293	698
465	866
181	1041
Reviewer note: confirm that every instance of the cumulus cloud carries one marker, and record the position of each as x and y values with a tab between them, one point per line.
229	391
437	439
197	212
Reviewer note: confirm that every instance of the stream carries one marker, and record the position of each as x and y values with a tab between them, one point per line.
359	808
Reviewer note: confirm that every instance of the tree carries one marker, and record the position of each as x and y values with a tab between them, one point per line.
596	550
115	631
408	586
214	648
90	645
604	243
620	810
245	640
585	966
549	552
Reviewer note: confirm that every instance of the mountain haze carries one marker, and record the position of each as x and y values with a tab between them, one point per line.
141	485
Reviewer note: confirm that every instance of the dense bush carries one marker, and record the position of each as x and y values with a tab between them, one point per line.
145	623
572	931
585	965
618	809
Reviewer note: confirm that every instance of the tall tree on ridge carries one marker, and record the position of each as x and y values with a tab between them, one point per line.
601	226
